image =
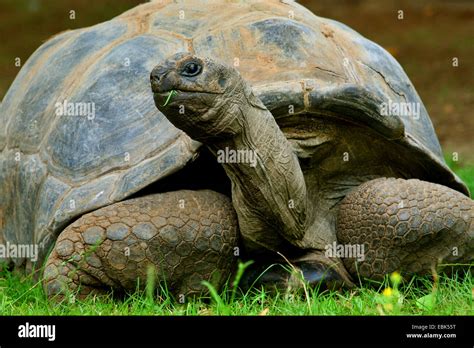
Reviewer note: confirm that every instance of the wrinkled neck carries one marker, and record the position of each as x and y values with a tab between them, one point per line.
267	181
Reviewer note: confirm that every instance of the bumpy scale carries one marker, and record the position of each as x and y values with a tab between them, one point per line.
184	236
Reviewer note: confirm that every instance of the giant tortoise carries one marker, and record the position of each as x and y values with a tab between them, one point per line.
114	190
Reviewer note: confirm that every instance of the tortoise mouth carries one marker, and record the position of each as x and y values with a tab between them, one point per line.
160	92
177	96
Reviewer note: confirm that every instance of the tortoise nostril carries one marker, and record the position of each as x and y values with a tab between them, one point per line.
154	78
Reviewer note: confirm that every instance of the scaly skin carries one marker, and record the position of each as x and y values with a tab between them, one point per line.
185	236
411	226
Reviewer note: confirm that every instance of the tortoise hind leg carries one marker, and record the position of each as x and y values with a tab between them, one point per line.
410	226
184	237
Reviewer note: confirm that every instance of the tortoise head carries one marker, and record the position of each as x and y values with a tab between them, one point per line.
198	95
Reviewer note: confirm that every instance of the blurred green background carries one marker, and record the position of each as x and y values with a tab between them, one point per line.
425	41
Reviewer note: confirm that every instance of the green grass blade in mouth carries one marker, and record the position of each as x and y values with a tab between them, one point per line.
170	95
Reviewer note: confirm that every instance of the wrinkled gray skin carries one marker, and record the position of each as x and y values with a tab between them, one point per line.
216	106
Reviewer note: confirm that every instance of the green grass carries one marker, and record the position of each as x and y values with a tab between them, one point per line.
447	296
423	296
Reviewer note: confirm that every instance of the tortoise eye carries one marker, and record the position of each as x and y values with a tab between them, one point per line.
191	69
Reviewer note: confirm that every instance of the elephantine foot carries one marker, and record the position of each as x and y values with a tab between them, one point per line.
410	226
180	238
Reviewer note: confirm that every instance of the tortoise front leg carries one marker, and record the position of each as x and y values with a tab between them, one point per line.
410	226
184	237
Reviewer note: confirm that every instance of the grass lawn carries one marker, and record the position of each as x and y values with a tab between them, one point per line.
438	295
446	296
